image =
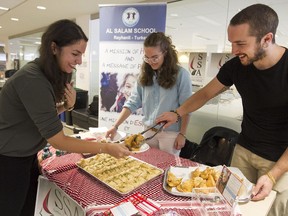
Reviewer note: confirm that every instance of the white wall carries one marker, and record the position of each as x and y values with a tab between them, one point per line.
94	58
224	110
83	70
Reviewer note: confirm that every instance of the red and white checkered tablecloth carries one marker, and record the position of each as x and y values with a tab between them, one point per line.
90	193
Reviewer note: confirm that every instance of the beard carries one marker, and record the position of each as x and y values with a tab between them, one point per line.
259	54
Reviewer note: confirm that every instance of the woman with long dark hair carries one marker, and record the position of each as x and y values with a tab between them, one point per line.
30	102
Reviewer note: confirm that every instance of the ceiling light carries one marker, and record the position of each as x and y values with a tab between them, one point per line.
14	19
171	27
4	8
174	15
184	58
41	7
0	27
202	37
205	19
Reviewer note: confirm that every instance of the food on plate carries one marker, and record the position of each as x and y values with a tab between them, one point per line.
211	181
186	186
123	174
197	179
196	173
172	180
134	141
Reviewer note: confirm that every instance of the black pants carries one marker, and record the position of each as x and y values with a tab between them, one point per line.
18	185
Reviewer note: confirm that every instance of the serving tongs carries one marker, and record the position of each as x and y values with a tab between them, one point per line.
144	131
153	127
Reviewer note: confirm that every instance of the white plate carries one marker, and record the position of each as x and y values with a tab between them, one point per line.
98	134
143	148
101	131
182	172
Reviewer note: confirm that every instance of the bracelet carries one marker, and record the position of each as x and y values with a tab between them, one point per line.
116	127
100	149
182	135
271	177
178	116
70	108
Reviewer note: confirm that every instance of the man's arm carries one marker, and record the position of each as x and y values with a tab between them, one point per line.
281	166
180	140
197	100
266	182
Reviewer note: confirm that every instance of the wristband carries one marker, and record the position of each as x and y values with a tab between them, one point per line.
70	109
271	177
178	116
182	135
100	149
116	127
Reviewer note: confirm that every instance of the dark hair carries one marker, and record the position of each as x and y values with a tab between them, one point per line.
261	19
169	69
62	33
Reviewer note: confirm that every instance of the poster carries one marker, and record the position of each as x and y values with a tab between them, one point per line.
52	200
197	67
123	28
217	60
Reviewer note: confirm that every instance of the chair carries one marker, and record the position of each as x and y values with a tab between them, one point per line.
188	149
216	147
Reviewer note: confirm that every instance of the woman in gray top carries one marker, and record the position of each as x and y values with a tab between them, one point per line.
29	116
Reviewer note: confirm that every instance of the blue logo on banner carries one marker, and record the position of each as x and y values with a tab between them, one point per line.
130	17
131	23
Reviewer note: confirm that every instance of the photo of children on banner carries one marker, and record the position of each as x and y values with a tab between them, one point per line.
124	91
108	90
115	90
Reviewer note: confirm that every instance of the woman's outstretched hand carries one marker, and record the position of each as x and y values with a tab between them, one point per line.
117	150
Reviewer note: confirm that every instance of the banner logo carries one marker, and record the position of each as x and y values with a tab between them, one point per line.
130	17
45	207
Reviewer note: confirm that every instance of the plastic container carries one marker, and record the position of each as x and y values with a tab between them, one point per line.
212	202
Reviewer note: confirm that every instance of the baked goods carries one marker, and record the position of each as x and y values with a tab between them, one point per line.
186	186
172	180
197	179
134	141
122	175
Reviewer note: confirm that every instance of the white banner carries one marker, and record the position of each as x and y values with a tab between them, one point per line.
52	200
123	28
217	60
197	67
